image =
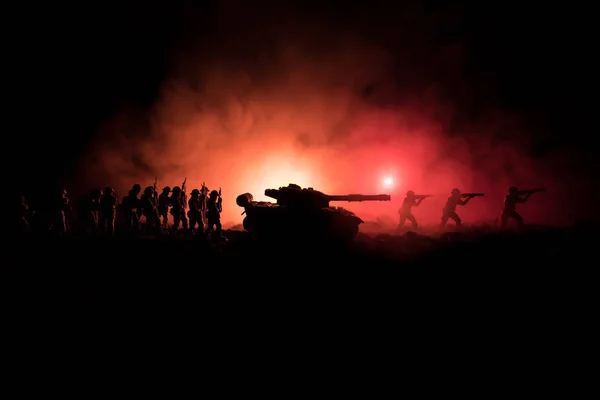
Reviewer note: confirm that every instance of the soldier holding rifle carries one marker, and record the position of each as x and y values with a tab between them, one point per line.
511	200
411	200
456	199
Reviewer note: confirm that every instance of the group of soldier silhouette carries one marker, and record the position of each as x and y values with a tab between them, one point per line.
457	198
100	213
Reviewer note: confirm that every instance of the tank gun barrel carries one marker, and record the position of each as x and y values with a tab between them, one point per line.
360	197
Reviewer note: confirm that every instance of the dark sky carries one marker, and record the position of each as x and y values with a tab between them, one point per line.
72	68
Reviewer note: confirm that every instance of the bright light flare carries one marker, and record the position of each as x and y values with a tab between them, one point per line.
388	182
273	173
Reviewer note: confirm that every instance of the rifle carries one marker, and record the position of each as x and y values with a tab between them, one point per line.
532	191
422	196
471	195
183	185
154	187
220	201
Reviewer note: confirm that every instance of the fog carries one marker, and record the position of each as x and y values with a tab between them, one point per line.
274	99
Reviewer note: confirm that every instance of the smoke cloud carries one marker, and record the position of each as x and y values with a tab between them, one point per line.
288	98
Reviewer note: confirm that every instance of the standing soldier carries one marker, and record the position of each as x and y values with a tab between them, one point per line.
131	209
87	210
411	200
203	201
24	217
214	207
178	209
63	206
147	208
163	206
195	212
108	205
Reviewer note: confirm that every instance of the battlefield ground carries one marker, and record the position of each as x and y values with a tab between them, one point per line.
496	296
96	270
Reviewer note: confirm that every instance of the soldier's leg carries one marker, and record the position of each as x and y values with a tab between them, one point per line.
402	220
412	220
504	220
176	221
110	226
445	218
184	221
518	218
454	216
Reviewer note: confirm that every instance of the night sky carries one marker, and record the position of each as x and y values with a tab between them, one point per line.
72	69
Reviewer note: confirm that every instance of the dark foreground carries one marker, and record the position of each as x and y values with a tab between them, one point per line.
99	272
515	298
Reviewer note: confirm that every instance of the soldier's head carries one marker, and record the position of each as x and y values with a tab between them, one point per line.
513	190
149	191
195	193
96	193
136	188
166	189
455	192
108	190
176	191
214	194
410	193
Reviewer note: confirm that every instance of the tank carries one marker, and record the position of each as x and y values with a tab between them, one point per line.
304	213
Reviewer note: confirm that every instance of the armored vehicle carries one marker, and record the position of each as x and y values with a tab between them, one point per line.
302	213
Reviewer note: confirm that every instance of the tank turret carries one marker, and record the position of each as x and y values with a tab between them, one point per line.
302	212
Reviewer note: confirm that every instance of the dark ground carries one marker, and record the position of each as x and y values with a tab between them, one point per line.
101	273
522	304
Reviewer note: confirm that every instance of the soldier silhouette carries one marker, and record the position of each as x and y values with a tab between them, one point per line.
195	212
510	205
148	209
163	206
449	211
409	202
214	208
24	222
87	210
178	209
108	205
63	206
131	209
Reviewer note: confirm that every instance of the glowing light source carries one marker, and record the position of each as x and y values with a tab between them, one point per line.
388	182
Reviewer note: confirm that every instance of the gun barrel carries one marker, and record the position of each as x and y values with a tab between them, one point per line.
361	197
423	196
472	194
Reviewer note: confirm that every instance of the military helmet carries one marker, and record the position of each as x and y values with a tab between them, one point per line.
167	189
513	189
176	189
410	193
195	192
214	193
455	191
149	190
137	187
108	190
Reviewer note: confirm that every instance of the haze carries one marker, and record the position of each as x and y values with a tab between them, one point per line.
287	101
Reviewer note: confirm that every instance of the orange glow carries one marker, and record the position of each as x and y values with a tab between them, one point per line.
306	121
